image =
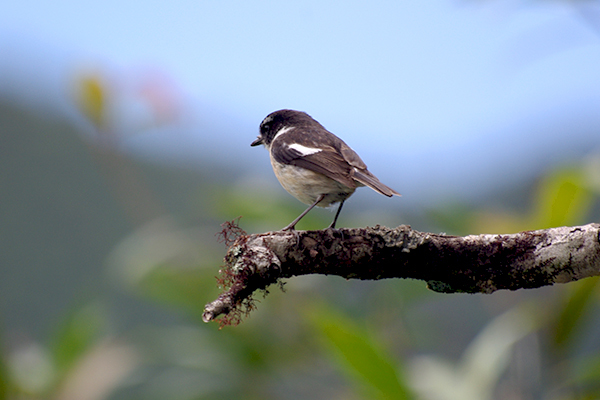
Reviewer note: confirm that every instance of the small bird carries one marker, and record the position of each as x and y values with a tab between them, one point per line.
313	164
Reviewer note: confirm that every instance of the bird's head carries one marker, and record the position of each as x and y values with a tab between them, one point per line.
278	120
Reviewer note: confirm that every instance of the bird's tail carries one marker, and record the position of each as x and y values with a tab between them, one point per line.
370	180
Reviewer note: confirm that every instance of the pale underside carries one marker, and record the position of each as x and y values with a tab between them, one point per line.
306	185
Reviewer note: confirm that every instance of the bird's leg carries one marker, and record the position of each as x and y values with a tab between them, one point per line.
291	226
337	214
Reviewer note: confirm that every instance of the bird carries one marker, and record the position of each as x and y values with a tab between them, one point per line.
312	164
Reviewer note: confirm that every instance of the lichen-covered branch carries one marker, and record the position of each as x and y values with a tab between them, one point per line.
449	264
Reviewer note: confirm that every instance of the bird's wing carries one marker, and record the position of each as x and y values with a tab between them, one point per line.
343	166
326	160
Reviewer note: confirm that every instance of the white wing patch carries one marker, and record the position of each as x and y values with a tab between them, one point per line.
281	132
305	151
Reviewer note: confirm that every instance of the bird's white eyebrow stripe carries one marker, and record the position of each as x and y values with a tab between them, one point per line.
305	151
281	132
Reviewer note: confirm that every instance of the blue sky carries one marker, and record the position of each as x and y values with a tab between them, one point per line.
450	84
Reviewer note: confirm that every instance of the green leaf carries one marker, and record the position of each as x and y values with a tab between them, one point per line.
77	333
573	314
563	199
359	355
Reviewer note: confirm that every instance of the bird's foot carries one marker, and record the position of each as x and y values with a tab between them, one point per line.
336	231
291	228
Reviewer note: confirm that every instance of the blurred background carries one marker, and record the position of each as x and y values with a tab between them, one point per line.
124	144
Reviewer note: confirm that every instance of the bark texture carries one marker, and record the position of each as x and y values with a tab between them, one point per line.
449	264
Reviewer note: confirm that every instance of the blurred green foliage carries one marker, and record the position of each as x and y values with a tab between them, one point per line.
563	198
81	328
180	288
362	358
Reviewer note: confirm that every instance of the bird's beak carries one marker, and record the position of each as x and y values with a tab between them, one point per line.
257	142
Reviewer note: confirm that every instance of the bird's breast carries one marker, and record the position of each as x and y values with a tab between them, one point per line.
307	185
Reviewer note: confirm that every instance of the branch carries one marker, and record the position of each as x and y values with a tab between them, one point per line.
449	264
